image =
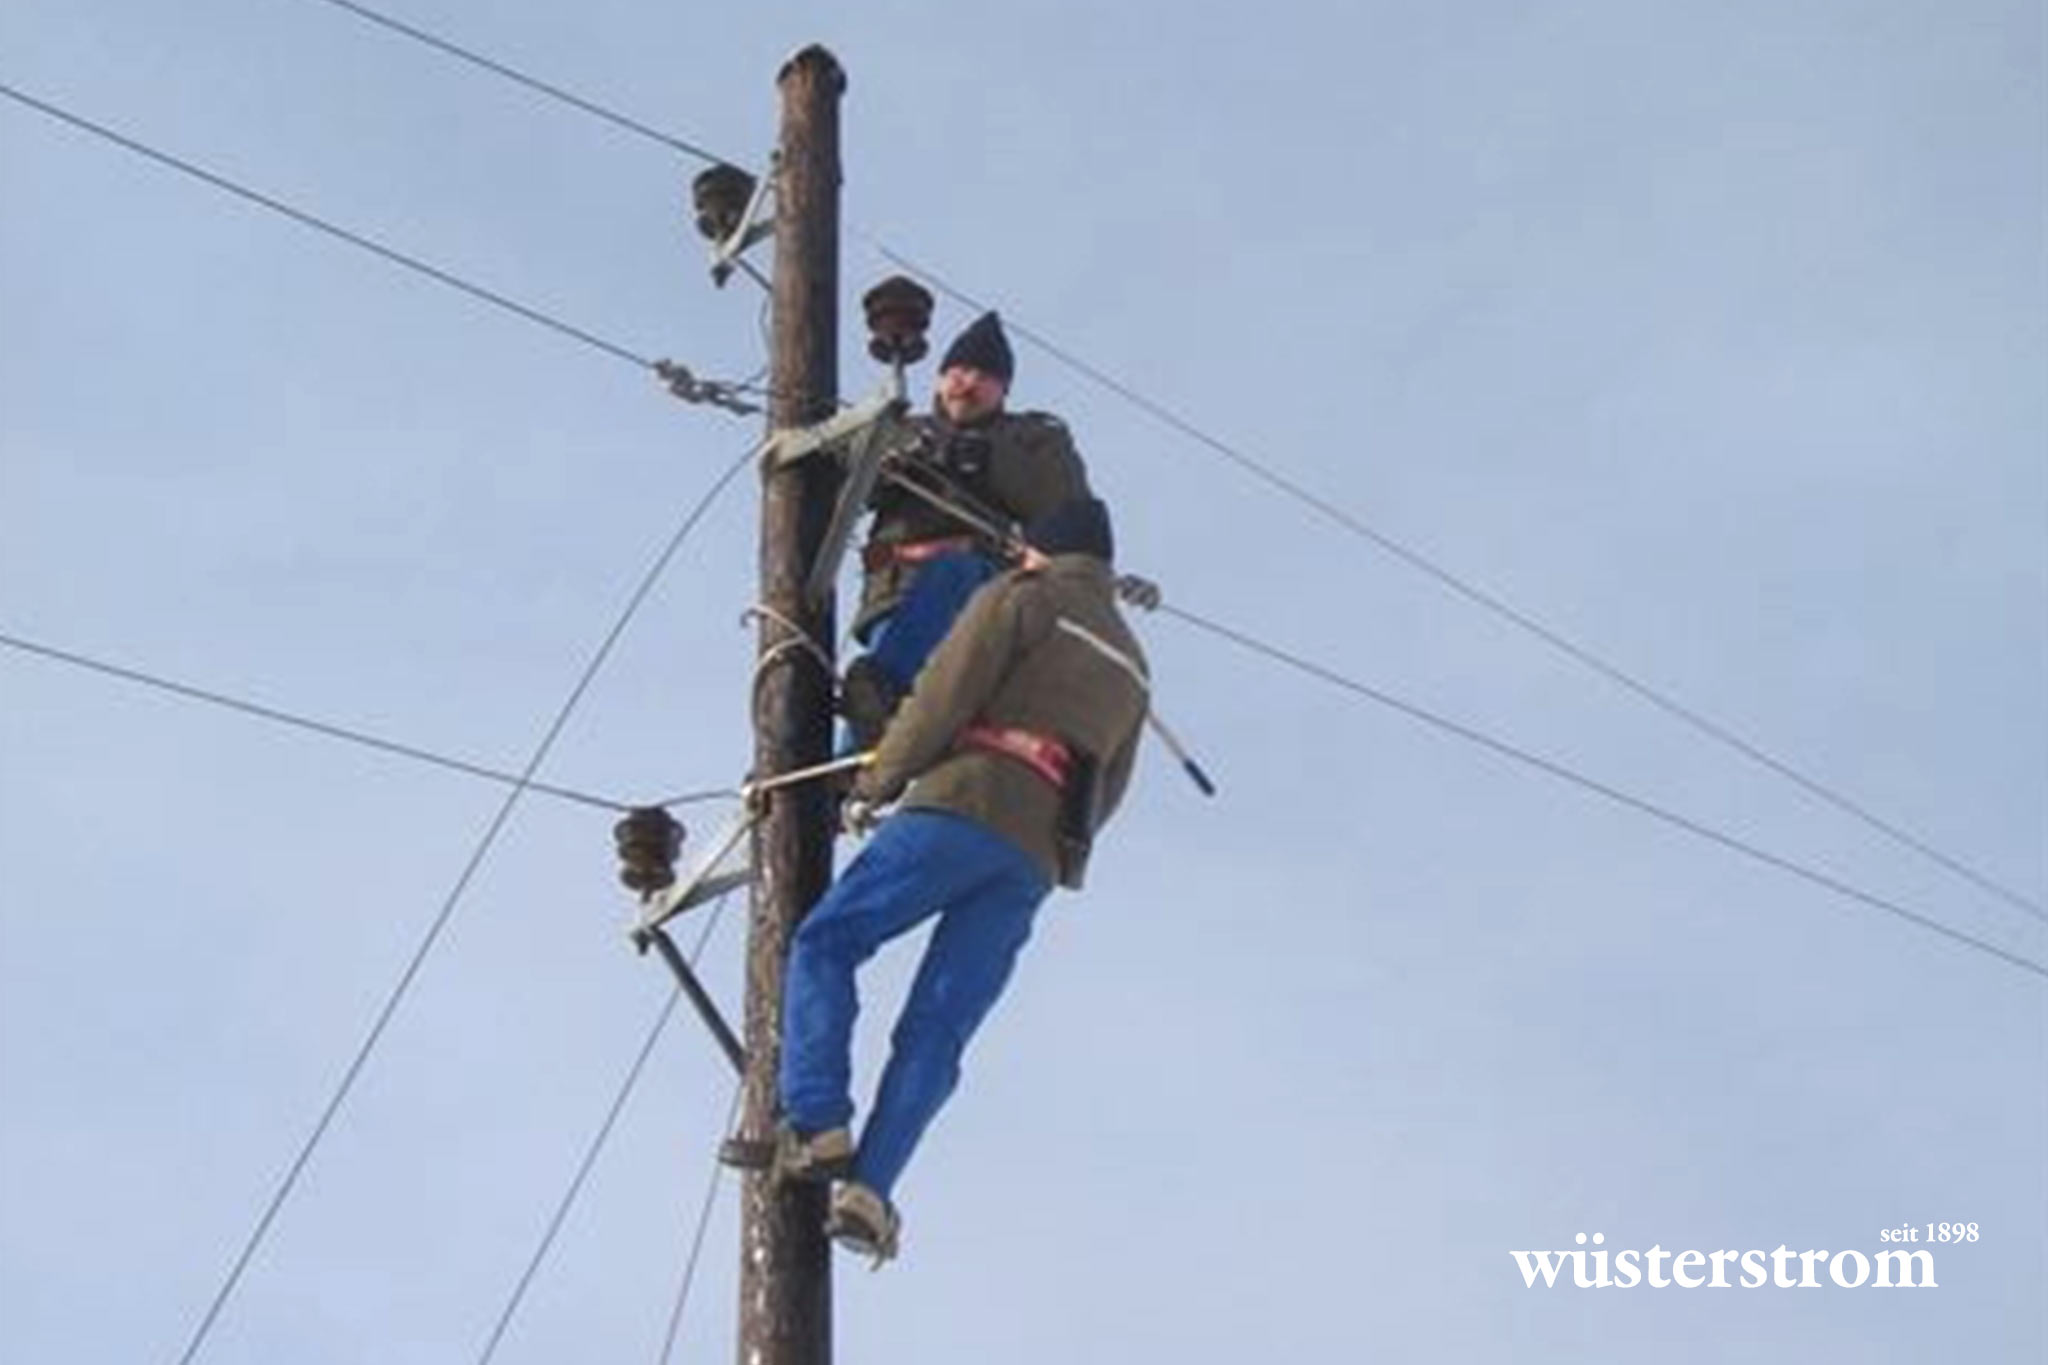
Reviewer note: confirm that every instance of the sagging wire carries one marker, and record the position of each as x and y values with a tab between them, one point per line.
596	1146
1287	487
489	839
675	377
689	1277
1614	794
327	729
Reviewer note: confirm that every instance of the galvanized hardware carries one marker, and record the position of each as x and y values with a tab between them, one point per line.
711	877
886	439
700	1000
795	443
752	792
795	639
727	203
715	392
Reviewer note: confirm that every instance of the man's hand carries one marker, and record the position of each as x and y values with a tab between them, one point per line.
1139	592
858	815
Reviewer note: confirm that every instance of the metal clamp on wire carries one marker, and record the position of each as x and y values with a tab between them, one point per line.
714	392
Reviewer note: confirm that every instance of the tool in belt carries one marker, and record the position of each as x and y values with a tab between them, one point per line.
1045	755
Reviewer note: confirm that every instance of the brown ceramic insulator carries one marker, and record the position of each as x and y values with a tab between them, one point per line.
899	313
720	197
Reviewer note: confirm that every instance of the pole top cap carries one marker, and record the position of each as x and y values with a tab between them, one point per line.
817	62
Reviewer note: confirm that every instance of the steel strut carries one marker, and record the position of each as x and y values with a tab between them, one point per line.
707	1010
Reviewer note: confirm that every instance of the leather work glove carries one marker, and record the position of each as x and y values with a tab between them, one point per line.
858	815
1139	592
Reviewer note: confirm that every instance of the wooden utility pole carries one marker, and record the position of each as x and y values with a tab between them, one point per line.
785	1266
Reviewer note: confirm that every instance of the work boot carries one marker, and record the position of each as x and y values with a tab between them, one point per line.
819	1157
863	1222
868	696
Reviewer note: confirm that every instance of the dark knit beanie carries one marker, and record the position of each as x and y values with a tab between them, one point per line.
1077	527
983	346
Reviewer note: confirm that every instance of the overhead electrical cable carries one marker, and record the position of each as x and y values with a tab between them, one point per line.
483	847
1481	597
689	1279
597	1143
1265	473
679	379
329	729
1357	527
556	92
1597	787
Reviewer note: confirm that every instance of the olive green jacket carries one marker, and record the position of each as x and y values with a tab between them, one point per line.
1031	467
1045	651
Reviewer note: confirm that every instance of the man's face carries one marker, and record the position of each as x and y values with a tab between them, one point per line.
968	395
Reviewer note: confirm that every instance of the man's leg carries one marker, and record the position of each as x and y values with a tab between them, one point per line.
904	875
936	597
877	681
984	925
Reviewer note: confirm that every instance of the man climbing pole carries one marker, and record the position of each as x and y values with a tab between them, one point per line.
1016	744
921	564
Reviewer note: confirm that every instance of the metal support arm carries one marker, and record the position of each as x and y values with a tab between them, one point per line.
790	444
704	882
707	1010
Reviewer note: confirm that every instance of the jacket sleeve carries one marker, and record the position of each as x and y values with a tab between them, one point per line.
1050	471
1116	774
1073	470
951	690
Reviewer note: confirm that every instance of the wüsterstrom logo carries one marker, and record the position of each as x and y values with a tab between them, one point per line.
1596	1267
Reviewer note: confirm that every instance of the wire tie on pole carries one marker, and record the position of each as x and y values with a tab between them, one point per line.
798	639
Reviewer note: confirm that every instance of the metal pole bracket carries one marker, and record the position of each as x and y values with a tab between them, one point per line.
729	254
711	877
886	405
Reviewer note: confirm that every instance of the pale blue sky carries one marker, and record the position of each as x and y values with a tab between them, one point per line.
1711	336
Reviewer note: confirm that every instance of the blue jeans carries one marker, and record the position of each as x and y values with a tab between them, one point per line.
985	891
934	599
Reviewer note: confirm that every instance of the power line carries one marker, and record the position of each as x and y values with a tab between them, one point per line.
1479	596
1288	487
597	1144
534	83
1599	788
555	92
689	1280
318	727
318	224
1258	469
454	897
340	732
